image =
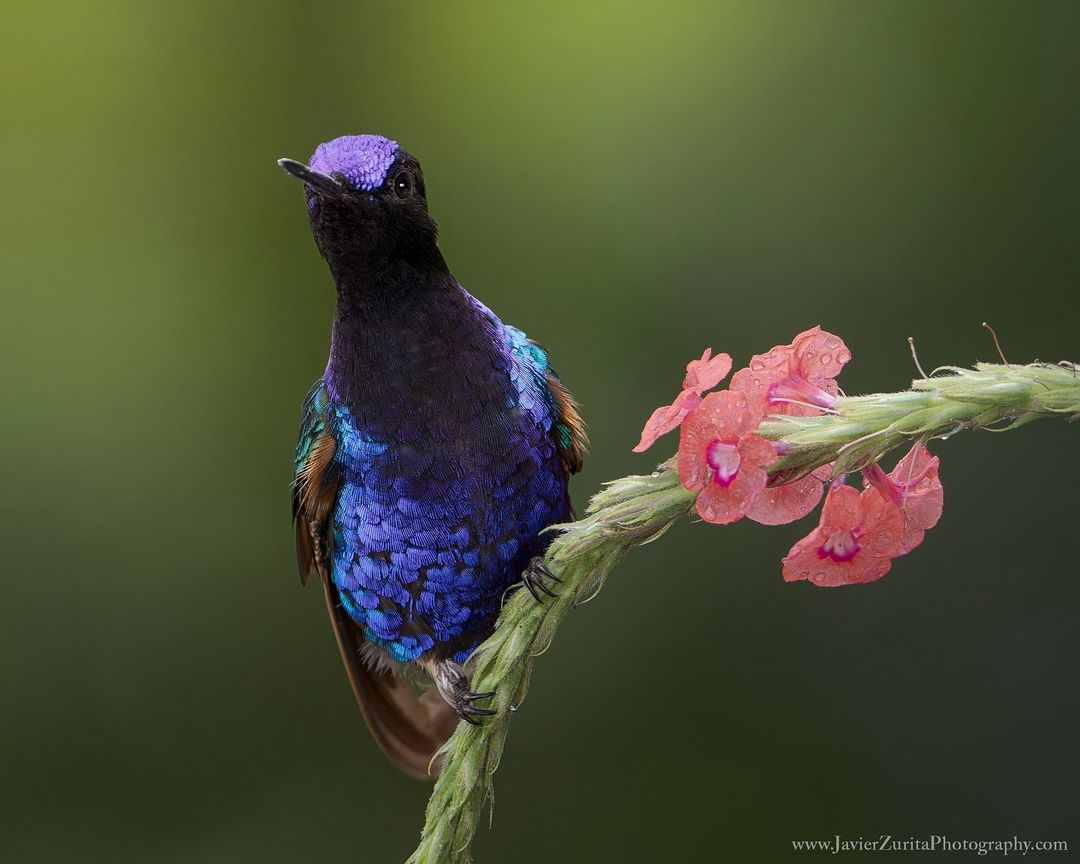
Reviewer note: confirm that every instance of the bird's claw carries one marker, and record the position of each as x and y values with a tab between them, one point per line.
466	710
454	687
536	572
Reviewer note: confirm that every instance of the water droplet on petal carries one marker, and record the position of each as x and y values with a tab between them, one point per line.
826	358
757	365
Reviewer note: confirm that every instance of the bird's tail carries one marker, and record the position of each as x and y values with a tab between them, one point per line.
409	727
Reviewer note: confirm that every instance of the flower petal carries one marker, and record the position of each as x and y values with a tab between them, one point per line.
706	373
778	505
721	505
764	371
911	538
881	527
841	511
923	495
666	418
819	356
755	450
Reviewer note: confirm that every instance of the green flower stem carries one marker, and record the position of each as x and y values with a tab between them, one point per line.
865	428
635	510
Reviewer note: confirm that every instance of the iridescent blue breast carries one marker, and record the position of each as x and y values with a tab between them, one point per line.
445	492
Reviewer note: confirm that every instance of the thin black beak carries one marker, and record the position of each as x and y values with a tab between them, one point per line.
324	184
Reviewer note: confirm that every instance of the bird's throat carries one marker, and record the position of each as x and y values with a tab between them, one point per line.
405	341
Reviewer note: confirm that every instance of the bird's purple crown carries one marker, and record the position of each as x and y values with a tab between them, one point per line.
363	159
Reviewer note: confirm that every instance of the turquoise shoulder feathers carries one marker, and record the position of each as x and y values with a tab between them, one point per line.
568	428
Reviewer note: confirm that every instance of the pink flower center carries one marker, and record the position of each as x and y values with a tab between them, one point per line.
724	460
795	388
841	546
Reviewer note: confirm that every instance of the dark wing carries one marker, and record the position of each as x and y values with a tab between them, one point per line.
408	727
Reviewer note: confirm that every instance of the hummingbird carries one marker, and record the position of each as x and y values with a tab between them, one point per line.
433	453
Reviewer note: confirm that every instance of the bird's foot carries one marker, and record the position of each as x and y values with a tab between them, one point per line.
535	576
454	687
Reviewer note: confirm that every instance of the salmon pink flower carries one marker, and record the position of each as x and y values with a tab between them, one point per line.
701	375
721	458
913	486
857	537
793	379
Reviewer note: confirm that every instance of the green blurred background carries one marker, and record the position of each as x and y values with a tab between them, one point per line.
629	183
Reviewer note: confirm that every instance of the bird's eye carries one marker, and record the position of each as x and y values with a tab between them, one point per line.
403	187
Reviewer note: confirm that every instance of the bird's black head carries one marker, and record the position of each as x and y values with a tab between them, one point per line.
367	204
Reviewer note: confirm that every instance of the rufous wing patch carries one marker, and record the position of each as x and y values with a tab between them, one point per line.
572	444
314	495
